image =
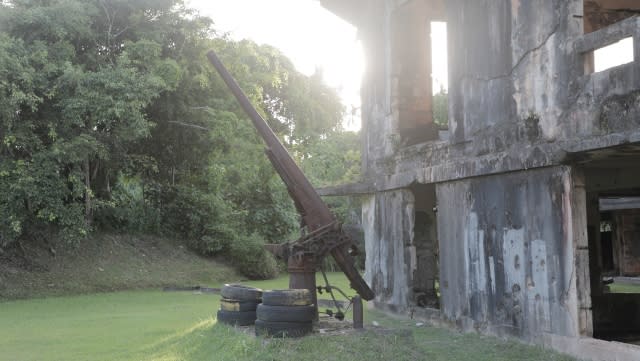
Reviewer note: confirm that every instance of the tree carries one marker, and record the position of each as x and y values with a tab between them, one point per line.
79	80
112	118
441	109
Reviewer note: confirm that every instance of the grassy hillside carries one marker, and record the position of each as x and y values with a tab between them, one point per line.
108	263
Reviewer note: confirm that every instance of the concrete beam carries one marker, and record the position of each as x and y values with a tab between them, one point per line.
608	35
349	10
612	204
347	189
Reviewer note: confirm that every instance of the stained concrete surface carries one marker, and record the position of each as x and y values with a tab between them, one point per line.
535	137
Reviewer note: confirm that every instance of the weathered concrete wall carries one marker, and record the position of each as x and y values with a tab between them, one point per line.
525	114
519	94
378	127
387	220
507	253
480	85
601	13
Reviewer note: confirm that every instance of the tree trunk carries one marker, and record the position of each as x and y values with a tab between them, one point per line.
87	197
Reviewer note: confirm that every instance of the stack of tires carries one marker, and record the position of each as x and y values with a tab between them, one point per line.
238	305
285	313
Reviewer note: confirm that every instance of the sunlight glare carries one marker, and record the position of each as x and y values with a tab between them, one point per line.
439	69
311	36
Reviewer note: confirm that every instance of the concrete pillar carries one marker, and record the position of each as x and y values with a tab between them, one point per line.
581	244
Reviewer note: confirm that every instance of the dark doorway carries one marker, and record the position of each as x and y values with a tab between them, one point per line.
612	183
425	278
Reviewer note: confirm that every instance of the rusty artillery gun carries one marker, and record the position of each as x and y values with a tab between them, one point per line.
324	234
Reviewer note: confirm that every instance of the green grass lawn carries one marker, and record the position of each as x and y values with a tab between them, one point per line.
155	325
336	279
624	288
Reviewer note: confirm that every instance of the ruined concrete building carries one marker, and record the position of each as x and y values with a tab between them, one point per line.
507	219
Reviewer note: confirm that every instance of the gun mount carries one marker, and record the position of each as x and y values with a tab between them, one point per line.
324	234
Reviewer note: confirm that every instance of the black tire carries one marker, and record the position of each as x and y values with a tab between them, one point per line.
286	313
227	304
291	297
283	329
244	318
241	292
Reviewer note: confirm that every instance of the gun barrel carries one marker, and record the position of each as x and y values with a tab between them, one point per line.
314	212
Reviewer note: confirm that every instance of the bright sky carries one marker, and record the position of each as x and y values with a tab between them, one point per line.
439	68
618	53
304	31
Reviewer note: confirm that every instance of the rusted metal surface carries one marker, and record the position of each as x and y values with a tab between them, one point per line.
358	313
302	274
326	234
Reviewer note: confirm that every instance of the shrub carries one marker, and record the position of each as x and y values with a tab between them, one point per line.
38	197
250	258
207	222
130	208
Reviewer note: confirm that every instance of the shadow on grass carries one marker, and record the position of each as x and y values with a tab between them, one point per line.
397	340
215	341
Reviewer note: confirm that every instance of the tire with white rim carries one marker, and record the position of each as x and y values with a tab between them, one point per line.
289	297
238	305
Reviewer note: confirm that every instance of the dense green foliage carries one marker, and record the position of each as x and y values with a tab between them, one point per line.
112	118
441	108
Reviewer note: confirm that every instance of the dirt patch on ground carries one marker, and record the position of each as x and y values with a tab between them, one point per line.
104	263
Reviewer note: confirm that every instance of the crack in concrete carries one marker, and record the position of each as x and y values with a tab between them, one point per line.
567	291
520	60
565	303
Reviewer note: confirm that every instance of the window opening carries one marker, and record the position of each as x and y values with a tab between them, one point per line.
419	50
598	14
439	77
616	54
613	235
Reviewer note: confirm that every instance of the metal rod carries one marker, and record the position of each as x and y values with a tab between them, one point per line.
358	312
329	289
